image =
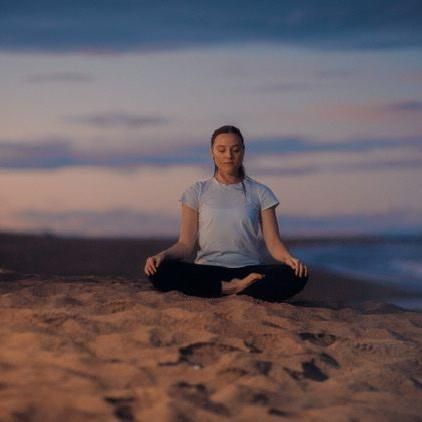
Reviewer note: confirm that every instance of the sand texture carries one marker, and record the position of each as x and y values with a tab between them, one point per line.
109	348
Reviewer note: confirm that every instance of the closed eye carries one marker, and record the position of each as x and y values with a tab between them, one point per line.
234	150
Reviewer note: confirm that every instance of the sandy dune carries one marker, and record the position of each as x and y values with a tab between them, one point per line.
98	348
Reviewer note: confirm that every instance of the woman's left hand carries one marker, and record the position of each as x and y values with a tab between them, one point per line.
300	268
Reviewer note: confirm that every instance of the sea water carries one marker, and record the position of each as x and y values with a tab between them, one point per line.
397	262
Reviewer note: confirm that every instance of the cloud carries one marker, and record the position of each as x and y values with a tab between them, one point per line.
49	153
378	165
284	171
117	120
334	74
405	106
52	77
108	26
342	167
375	112
286	87
299	145
61	152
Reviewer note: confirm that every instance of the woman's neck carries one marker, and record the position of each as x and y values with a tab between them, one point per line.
227	179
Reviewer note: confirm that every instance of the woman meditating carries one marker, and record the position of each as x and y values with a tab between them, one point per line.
228	214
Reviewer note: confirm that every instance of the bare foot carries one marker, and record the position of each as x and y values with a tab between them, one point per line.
238	284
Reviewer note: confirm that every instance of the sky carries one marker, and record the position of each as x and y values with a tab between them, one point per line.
107	109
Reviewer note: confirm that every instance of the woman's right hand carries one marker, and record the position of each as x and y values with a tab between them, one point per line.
153	262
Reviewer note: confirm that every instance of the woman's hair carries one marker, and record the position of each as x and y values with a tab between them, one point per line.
236	131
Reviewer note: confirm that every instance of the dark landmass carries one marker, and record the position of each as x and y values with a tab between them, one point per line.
125	257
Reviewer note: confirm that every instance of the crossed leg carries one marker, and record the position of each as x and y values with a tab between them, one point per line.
279	281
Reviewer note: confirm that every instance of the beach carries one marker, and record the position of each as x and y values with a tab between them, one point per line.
85	340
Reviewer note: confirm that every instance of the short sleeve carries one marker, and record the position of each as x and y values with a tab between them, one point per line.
267	197
190	196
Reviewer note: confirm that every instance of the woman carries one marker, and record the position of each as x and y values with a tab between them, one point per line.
227	214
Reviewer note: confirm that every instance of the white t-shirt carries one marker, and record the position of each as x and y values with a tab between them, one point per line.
229	222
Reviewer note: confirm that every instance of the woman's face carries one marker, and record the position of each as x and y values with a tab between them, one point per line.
227	152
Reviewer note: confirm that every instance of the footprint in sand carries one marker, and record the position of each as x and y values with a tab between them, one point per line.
253	395
251	346
263	366
122	408
329	360
309	371
198	395
160	337
271	324
321	339
384	348
203	354
230	375
259	367
277	412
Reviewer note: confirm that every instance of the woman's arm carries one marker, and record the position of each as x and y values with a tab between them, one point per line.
183	248
274	244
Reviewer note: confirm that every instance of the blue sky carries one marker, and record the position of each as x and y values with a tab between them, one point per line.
108	107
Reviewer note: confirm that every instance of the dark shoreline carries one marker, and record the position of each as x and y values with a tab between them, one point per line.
371	238
50	255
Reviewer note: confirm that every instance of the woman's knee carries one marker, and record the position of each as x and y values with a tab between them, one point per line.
280	283
299	284
287	272
164	278
291	288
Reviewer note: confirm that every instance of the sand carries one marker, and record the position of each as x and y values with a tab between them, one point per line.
85	337
97	348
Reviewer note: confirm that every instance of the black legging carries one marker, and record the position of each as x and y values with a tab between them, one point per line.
278	284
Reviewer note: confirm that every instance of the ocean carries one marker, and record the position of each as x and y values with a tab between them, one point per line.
393	261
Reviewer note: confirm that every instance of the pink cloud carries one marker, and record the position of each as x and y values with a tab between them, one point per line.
376	112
